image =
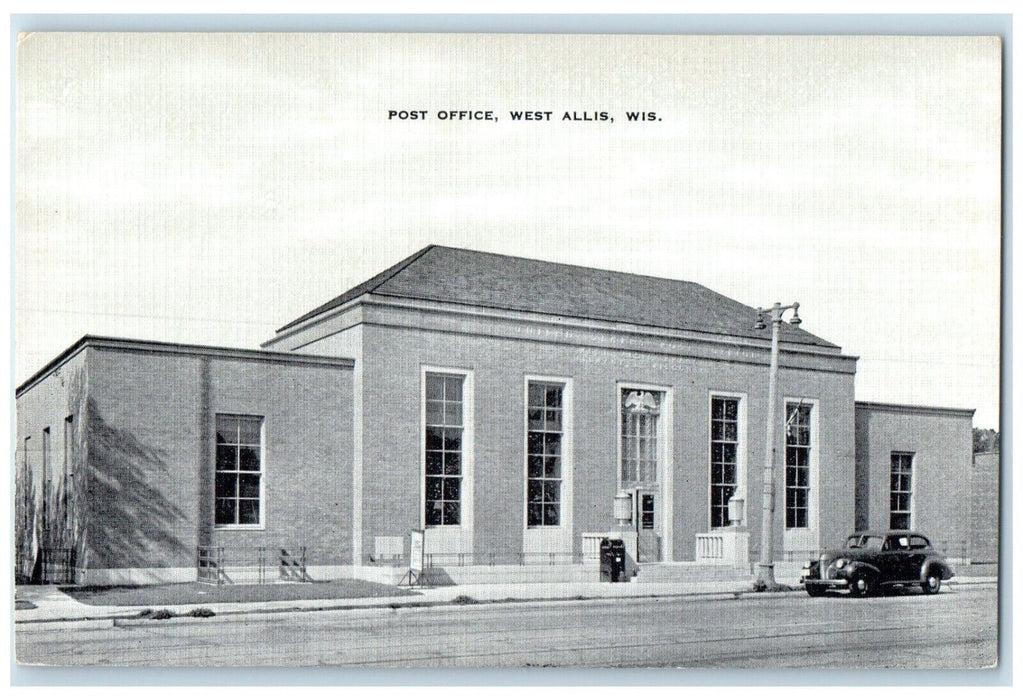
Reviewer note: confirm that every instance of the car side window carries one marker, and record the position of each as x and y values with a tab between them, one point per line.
917	543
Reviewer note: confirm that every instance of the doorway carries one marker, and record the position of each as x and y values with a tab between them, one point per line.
648	526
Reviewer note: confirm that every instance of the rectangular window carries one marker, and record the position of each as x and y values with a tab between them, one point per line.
543	454
69	476
901	517
724	456
444	449
797	464
640	413
239	470
47	486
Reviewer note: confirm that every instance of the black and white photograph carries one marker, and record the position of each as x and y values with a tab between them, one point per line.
507	350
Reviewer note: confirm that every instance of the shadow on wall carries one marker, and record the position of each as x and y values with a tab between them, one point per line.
24	522
130	521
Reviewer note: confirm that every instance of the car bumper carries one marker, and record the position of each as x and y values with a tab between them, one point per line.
826	582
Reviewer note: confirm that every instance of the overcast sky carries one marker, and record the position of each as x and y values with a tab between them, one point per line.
210	188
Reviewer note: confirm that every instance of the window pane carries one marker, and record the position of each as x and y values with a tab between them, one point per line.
434	438
551	491
452	439
537	398
552	467
434	412
226	511
550	514
452	463
453	414
731	432
536	466
434	513
434	462
536	419
434	488
227	485
552	443
534	514
535	491
535	443
248	485
452	513
452	489
227	429
453	388
248	512
248	458
554	397
227	457
249	431
434	387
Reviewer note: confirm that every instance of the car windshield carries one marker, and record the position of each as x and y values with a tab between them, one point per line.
864	542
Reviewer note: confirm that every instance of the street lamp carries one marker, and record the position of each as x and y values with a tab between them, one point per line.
765	570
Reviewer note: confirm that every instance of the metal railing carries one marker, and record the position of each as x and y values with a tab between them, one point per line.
228	565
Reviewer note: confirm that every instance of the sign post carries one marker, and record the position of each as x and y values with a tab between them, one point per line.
415	577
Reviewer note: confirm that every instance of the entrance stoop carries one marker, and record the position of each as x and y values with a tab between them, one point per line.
690	572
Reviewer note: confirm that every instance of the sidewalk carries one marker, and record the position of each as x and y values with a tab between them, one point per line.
54	608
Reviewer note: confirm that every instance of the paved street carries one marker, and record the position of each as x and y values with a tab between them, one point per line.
955	629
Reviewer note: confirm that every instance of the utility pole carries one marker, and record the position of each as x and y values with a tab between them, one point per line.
765	570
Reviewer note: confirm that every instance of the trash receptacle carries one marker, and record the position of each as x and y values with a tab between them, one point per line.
612	561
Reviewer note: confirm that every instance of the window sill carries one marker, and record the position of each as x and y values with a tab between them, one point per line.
239	528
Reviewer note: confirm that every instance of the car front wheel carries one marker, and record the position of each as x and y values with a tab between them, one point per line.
861	585
814	590
932	584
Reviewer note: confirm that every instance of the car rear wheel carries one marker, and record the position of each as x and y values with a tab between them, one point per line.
861	585
932	583
814	590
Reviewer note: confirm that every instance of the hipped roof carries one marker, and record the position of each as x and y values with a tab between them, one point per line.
459	276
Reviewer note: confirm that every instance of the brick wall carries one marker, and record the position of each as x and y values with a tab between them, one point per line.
941	442
392	358
145	449
985	507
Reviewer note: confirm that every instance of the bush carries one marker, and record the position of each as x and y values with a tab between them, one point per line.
465	600
201	612
164	614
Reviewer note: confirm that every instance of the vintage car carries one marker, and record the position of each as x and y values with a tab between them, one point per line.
873	560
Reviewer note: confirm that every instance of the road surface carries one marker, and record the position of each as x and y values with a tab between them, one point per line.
955	629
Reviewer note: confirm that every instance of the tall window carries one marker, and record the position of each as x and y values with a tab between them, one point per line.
901	517
797	464
444	449
724	455
47	486
543	438
239	470
69	477
640	413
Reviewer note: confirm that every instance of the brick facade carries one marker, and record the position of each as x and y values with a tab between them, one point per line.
144	454
940	441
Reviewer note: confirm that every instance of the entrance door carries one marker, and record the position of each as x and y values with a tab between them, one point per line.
648	527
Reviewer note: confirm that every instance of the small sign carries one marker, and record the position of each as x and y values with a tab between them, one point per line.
416	538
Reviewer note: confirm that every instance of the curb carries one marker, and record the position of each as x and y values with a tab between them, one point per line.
130	619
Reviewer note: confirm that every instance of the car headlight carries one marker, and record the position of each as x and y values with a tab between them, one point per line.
839	563
808	564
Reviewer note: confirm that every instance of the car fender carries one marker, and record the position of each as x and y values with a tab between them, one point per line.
855	567
946	570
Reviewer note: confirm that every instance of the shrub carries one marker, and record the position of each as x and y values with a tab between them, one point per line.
201	612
